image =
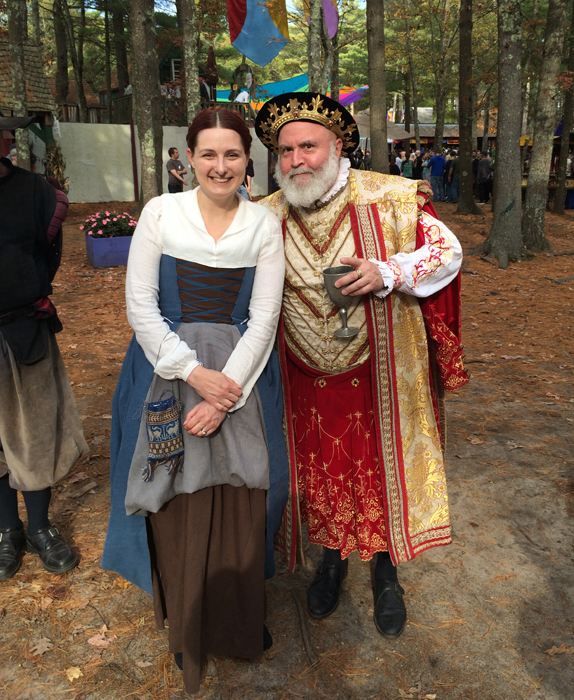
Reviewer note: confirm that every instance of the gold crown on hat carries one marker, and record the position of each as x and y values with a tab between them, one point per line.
332	119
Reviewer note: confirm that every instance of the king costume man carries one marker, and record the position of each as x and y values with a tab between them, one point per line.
364	416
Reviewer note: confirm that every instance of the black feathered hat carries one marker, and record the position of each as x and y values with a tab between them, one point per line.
305	107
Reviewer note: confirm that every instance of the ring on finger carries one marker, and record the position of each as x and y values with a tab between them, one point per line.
359	274
203	431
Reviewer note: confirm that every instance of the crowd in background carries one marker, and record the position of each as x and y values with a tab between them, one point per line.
439	168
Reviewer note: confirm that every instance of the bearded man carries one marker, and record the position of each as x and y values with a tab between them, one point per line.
364	415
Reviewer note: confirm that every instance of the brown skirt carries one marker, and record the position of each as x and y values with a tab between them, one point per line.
208	555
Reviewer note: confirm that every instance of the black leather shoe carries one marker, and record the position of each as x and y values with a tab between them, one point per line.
390	611
323	593
53	549
12	547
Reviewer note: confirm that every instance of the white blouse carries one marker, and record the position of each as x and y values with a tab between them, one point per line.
172	225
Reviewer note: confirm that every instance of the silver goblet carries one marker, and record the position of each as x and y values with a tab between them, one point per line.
331	275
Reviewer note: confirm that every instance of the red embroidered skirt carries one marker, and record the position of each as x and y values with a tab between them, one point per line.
339	478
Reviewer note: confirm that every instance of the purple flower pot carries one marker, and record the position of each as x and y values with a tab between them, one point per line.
108	252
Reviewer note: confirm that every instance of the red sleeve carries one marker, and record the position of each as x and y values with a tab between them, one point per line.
60	214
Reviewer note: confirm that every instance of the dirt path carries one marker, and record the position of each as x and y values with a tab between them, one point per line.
490	617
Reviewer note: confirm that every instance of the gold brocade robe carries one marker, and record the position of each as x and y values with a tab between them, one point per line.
375	216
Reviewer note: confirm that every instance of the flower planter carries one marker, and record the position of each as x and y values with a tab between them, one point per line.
108	252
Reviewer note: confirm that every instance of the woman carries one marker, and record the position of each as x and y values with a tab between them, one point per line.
203	289
426	168
407	166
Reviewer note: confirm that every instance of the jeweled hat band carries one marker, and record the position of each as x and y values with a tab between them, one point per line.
306	107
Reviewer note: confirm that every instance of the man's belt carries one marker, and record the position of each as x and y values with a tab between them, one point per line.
15	314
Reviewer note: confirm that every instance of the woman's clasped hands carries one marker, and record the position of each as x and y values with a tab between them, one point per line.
220	393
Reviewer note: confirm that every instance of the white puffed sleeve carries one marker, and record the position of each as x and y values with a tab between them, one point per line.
426	270
250	355
169	355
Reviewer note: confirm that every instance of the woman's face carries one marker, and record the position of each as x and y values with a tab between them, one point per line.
219	162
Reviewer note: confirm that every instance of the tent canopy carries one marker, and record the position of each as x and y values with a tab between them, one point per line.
394	131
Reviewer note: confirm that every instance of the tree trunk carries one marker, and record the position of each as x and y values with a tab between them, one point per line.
440	94
83	106
505	239
108	60
179	15
335	84
314	45
466	203
327	55
146	96
77	59
486	122
377	84
189	51
544	126
408	111
120	46
62	82
398	107
413	78
35	12
560	197
16	25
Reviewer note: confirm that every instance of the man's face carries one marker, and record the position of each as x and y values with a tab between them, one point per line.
305	145
175	155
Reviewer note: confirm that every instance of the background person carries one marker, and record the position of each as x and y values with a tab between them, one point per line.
483	176
41	435
436	165
453	179
215	262
176	171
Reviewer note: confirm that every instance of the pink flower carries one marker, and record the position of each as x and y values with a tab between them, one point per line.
81	228
100	231
107	213
115	219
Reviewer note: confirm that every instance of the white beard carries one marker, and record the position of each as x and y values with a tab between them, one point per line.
320	182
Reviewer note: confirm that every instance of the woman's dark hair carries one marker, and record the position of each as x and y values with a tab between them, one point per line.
218	117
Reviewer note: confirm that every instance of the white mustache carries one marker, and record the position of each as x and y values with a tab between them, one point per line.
300	170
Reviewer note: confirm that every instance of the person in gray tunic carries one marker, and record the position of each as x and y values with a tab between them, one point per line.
41	434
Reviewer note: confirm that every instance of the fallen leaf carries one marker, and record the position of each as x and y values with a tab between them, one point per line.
143	664
80	476
106	415
430	696
100	639
45	602
562	649
73	673
41	647
58	592
514	445
552	396
475	440
511	357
